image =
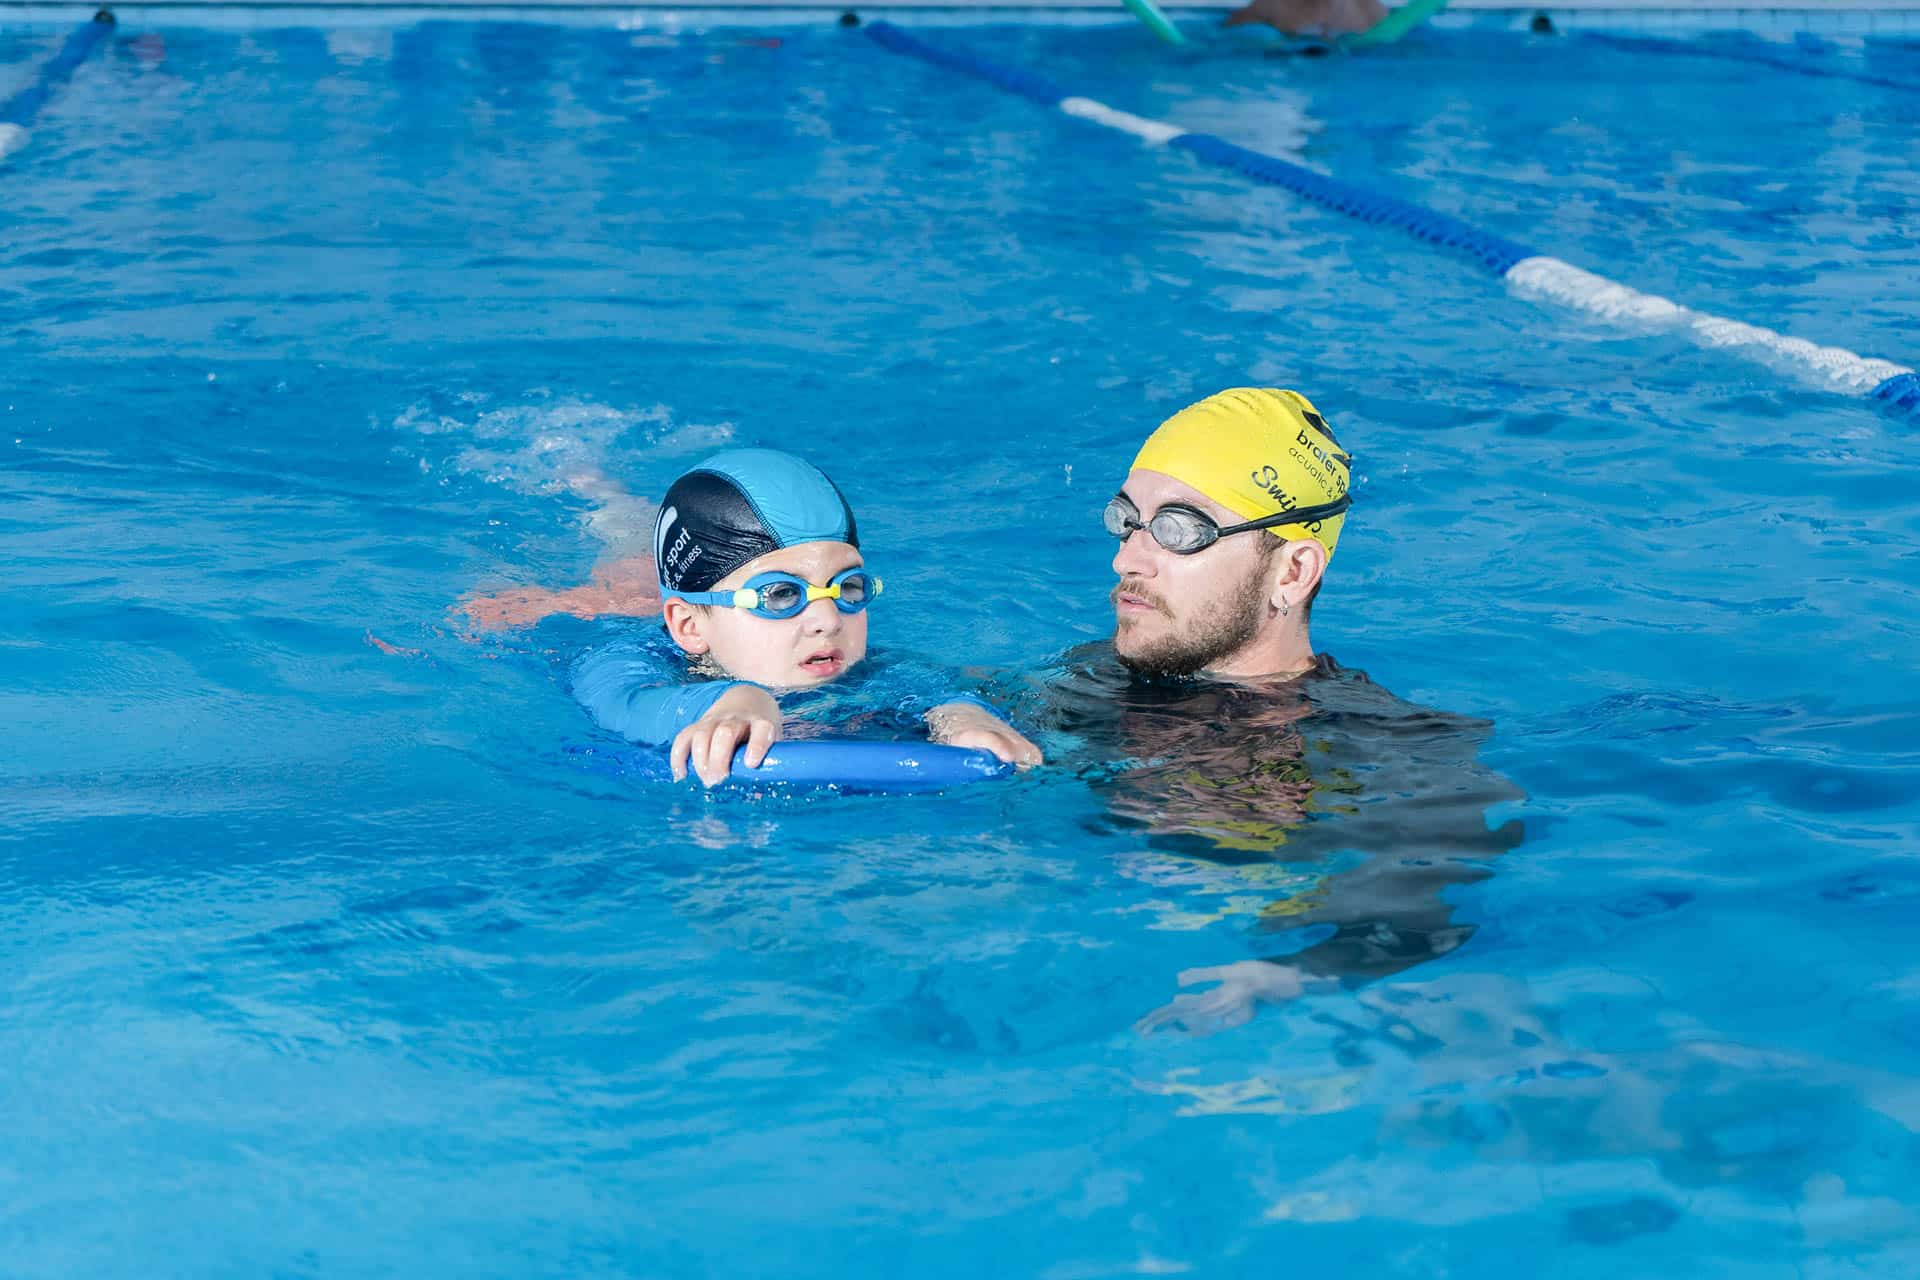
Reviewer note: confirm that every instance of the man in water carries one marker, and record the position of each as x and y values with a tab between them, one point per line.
1258	768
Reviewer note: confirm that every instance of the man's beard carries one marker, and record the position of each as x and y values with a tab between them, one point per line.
1231	624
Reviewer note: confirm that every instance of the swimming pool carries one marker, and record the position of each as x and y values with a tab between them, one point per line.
327	957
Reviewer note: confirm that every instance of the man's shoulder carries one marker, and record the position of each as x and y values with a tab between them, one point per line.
1327	667
1095	663
1365	708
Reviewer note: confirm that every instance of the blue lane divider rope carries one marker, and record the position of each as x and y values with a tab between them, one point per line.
17	112
1528	271
1012	79
1902	391
1498	255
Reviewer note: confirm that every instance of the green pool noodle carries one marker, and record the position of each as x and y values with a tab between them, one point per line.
1393	26
1149	12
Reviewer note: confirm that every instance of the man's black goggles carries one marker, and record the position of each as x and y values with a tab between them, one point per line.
1185	530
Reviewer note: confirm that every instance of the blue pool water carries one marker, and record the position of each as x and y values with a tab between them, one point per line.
326	957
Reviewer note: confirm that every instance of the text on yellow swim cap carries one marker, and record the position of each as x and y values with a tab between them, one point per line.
1257	451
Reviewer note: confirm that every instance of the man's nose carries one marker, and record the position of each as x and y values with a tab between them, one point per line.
1134	559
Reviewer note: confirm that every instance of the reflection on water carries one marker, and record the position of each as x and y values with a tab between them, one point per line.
1471	1072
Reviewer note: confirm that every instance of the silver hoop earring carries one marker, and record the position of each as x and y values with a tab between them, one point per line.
1285	608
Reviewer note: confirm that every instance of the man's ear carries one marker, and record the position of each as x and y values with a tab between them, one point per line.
686	625
1297	570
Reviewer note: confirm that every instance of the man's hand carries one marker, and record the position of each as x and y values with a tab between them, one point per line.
962	724
745	713
1311	17
1243	987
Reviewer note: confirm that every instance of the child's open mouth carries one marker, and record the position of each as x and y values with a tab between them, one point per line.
825	664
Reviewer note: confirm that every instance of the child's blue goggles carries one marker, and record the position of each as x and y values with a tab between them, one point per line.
782	595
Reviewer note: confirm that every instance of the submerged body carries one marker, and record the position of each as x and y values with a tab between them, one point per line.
1342	809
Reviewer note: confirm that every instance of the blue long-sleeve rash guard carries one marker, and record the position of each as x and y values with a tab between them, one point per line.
637	685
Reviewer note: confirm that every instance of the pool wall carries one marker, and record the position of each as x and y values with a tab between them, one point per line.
1832	17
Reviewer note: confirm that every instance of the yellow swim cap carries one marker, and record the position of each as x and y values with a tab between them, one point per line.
1256	451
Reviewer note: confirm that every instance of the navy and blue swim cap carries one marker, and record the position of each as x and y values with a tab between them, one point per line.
741	504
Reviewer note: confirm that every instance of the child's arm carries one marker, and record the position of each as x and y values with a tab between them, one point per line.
703	723
969	722
627	690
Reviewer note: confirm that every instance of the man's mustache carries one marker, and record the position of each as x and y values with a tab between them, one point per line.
1132	587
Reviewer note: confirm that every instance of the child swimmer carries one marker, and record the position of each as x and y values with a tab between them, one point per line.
763	585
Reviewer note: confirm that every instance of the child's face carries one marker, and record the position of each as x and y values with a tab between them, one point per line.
810	648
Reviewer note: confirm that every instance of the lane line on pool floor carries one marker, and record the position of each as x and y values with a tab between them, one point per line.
17	112
1530	273
1752	57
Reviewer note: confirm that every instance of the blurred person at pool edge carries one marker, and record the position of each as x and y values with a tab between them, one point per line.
1255	767
1311	17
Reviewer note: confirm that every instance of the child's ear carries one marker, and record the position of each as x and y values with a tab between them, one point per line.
686	625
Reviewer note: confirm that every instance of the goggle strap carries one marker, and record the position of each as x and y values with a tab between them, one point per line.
1300	515
724	599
